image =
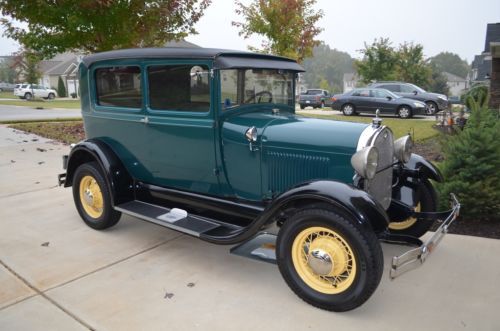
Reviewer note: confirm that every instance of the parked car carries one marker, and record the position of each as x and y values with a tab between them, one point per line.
370	99
315	98
8	87
217	152
435	102
30	91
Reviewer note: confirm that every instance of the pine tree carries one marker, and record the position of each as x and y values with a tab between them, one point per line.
61	89
472	163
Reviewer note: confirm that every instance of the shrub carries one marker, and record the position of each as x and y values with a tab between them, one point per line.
472	163
61	89
478	94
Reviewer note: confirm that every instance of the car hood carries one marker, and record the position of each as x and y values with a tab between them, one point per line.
294	132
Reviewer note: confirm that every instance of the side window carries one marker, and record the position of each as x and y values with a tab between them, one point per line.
179	87
391	87
119	87
361	93
407	89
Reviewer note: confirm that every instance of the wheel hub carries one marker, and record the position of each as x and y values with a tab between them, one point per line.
320	262
327	257
89	197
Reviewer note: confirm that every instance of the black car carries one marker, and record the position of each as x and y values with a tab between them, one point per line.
434	101
370	99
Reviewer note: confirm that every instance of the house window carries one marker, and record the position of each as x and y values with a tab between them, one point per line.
119	87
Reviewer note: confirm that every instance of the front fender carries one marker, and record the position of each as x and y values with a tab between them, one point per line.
355	202
117	177
425	167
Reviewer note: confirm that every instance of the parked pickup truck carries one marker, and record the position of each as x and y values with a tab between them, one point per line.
315	98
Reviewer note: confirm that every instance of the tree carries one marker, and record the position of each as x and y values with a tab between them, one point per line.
31	72
379	61
288	26
329	64
61	88
438	83
450	62
100	25
411	66
7	72
470	168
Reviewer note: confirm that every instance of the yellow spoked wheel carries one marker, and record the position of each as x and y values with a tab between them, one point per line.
324	260
409	222
91	197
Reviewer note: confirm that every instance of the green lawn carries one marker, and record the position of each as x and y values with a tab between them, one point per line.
66	131
422	128
70	104
7	95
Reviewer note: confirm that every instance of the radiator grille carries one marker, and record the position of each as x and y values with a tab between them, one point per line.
288	169
380	187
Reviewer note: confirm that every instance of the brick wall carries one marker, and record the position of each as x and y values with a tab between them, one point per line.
495	84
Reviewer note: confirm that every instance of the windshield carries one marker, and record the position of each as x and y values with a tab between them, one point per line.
420	90
251	86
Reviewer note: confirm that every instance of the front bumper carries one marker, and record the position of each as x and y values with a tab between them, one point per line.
417	256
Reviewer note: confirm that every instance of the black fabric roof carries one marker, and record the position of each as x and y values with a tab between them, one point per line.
224	59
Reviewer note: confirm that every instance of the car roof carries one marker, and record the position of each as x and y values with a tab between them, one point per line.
223	58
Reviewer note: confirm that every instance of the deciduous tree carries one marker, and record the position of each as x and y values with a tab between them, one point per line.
98	25
379	61
288	26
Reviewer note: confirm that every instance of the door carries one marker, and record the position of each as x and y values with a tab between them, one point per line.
180	126
361	100
383	101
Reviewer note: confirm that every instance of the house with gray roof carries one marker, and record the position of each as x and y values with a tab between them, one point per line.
456	84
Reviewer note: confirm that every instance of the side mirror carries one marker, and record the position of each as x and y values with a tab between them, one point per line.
415	92
389	97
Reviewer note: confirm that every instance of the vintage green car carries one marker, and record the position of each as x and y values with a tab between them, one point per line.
207	142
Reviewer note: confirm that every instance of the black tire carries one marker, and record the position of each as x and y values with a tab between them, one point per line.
28	96
417	227
431	108
363	244
405	112
107	215
348	109
51	96
322	104
302	106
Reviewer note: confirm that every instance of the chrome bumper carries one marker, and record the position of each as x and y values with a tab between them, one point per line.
417	256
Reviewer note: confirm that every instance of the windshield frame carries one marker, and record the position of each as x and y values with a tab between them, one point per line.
242	93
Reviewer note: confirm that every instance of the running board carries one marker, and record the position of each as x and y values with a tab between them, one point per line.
175	219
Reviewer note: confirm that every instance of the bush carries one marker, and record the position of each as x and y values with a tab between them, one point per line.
471	165
61	89
478	94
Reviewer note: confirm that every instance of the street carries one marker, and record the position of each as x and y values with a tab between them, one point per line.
19	113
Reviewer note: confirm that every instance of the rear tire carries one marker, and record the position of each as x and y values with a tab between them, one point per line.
302	106
28	96
93	198
329	261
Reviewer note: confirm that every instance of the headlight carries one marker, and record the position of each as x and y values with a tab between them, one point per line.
402	148
443	97
365	162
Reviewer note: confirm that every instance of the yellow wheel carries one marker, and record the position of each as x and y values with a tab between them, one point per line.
92	197
328	260
414	226
324	260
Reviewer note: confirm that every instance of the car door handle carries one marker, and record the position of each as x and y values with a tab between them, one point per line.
145	120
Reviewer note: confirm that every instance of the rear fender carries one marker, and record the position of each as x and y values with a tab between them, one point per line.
117	177
346	199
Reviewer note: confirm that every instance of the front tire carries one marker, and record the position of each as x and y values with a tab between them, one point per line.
92	197
328	260
302	106
348	109
413	226
431	108
51	96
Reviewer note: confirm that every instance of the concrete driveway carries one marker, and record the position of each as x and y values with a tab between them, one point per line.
58	274
21	113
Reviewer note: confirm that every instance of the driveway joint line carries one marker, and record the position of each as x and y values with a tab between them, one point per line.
43	295
113	263
26	192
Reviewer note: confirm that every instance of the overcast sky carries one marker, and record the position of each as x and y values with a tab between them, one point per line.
457	26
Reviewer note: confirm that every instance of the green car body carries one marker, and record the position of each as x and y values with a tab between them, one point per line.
207	142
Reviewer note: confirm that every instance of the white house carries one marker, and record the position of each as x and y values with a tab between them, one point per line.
62	65
350	81
455	83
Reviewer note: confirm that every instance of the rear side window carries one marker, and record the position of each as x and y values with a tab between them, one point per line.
391	87
361	93
179	87
119	87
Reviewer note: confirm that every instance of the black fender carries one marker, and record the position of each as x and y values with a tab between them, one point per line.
116	175
424	167
358	204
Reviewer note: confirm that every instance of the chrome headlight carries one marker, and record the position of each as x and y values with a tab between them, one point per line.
365	162
402	148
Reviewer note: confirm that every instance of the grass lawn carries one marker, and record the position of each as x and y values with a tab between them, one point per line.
422	129
70	104
7	95
68	131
